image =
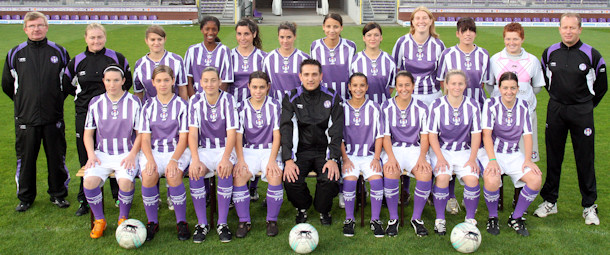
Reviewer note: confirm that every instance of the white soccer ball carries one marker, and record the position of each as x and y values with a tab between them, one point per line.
465	237
303	238
131	234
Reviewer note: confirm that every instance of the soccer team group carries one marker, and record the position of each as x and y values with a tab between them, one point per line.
419	111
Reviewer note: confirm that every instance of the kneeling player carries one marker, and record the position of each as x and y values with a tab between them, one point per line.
113	118
505	119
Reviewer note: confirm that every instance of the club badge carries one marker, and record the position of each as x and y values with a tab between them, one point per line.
357	120
420	52
208	59
285	66
245	65
456	117
213	114
164	113
327	104
374	69
403	118
509	118
115	111
259	119
332	60
54	59
467	63
588	131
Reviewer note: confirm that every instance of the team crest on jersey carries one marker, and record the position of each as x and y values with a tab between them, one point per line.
582	67
208	59
456	117
54	59
588	131
82	73
285	66
259	119
327	104
420	52
534	154
468	64
357	120
213	115
509	118
115	111
403	118
332	60
164	113
374	69
21	60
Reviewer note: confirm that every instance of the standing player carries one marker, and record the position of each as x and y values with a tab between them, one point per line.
455	136
505	120
335	54
258	143
113	118
575	76
164	131
210	52
213	121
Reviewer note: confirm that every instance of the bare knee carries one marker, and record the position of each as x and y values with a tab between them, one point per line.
442	181
92	182
241	180
174	181
125	185
470	181
492	183
149	181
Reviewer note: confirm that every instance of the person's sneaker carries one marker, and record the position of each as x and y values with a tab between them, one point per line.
242	229
493	226
326	219
60	202
82	210
201	231
254	195
348	227
231	204
224	234
121	220
546	209
418	226
518	225
301	216
392	228
183	231
272	228
590	215
377	228
98	228
23	206
453	207
341	201
116	203
439	227
151	229
471	221
170	204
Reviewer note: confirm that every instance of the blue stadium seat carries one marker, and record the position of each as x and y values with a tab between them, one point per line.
585	20
546	20
592	20
6	16
113	17
451	19
536	19
498	19
104	17
442	19
489	19
602	20
508	20
478	19
527	20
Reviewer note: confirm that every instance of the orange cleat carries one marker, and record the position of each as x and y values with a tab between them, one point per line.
121	221
98	228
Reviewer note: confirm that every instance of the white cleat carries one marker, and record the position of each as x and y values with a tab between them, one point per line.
546	209
590	215
471	221
452	206
341	201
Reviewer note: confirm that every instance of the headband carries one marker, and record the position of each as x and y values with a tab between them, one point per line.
109	68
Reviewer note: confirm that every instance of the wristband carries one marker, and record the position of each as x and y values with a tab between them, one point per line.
493	159
174	160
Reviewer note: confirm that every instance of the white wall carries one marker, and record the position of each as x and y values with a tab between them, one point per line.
353	10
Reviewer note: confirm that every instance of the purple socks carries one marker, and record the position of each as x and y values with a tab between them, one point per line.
349	196
178	196
241	199
150	197
376	197
94	198
526	197
275	197
422	191
390	187
125	200
441	195
198	194
471	200
224	192
491	199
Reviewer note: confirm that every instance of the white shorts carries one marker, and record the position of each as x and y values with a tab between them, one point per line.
511	164
406	157
428	98
535	151
456	161
163	158
211	157
112	164
257	160
362	164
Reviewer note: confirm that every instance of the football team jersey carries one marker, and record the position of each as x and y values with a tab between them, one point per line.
283	72
454	126
257	126
380	73
243	66
508	125
363	125
335	63
164	122
142	73
405	126
528	70
420	60
213	120
114	122
474	64
198	58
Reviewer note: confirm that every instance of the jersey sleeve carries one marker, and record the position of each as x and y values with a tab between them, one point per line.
137	106
128	78
144	126
241	117
433	119
442	66
385	109
180	72
488	117
379	123
189	62
286	128
600	86
194	112
476	118
397	52
423	119
231	113
277	111
92	115
183	126
8	81
527	126
226	67
138	84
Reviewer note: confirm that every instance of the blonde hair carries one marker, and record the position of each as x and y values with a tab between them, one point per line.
573	15
30	16
454	72
93	26
432	29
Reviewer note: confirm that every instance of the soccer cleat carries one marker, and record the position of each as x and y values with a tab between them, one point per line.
183	231
116	203
392	228
272	228
418	226
452	206
60	202
151	229
170	204
301	216
224	234
231	204
201	231
518	225
82	210
254	195
341	201
326	219
121	220
439	227
348	227
471	221
493	226
377	228
23	206
264	203
590	215
242	229
546	209
98	228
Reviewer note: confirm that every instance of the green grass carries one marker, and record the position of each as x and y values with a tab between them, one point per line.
47	229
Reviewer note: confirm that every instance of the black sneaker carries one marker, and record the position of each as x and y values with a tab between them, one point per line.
348	227
392	228
418	226
272	228
518	225
23	206
326	219
377	228
224	234
82	210
492	226
151	229
183	231
201	231
60	202
242	229
254	195
301	216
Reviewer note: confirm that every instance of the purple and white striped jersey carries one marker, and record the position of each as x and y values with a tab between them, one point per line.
405	126
142	73
213	121
474	64
528	70
283	72
336	63
257	126
508	125
198	58
164	122
362	127
243	66
380	73
454	126
114	122
420	60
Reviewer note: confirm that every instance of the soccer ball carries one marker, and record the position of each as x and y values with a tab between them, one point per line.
131	234
465	237
303	238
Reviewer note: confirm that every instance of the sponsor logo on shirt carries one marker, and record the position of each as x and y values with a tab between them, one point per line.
300	106
553	63
82	73
21	60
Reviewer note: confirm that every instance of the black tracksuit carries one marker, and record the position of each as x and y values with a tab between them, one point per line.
319	118
32	79
576	81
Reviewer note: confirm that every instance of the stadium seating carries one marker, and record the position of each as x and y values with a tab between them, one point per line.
585	20
536	19
517	19
489	19
152	17
84	17
74	17
104	17
95	17
16	17
546	20
6	16
527	20
478	19
498	19
142	17
601	20
65	17
442	19
133	17
123	17
113	17
508	20
451	19
592	20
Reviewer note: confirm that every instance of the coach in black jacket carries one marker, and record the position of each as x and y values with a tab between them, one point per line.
319	117
32	79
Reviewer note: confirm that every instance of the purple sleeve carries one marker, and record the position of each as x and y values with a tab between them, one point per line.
231	113
488	116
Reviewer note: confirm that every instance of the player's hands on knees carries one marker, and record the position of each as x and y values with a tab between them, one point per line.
240	168
391	167
422	166
333	170
171	169
92	161
474	167
273	170
376	165
225	168
129	162
533	167
492	169
151	167
441	165
197	170
291	171
347	166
